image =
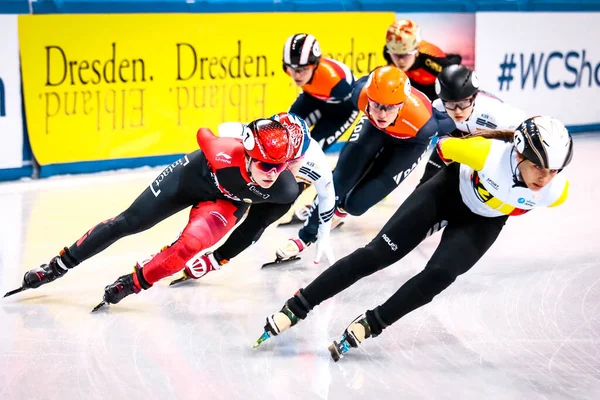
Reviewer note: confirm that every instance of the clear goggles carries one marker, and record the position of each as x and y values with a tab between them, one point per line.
384	107
462	104
403	56
299	69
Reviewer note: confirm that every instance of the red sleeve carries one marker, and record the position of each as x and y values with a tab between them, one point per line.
204	136
438	148
222	152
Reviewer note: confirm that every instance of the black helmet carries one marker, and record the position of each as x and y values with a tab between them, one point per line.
301	49
456	82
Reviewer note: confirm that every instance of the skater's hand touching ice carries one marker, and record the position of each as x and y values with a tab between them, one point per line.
324	248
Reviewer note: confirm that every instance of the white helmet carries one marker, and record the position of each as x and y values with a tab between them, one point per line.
545	142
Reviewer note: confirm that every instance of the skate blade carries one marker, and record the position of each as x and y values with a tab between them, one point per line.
19	290
280	261
339	225
261	339
294	221
99	306
334	351
177	281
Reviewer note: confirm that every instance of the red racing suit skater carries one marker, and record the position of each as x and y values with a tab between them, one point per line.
214	180
212	220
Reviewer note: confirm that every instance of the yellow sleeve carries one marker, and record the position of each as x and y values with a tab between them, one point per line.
472	152
563	196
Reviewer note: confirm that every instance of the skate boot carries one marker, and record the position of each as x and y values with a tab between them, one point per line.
277	323
196	268
291	249
121	288
288	252
338	218
46	273
295	309
353	336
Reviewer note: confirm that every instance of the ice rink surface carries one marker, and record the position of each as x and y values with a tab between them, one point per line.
524	323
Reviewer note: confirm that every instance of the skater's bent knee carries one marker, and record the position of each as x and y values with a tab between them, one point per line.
187	246
370	259
127	223
438	277
355	207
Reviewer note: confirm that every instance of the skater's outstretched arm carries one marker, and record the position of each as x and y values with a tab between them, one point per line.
316	170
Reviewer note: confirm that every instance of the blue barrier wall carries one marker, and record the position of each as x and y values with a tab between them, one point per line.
214	6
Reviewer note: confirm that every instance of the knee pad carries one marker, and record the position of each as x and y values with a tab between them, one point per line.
201	234
188	245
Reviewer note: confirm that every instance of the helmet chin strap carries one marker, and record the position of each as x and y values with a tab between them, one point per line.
515	172
248	169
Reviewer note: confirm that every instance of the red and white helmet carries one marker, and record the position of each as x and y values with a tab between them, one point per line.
299	131
267	141
403	37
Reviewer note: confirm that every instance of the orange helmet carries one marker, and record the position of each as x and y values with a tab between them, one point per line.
388	85
403	37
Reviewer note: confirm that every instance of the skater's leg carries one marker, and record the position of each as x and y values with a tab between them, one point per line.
336	119
162	198
434	165
404	231
209	222
392	167
463	243
259	218
357	155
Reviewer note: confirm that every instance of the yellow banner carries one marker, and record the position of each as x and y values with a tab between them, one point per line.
117	86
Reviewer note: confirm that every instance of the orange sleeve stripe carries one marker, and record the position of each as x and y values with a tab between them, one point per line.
430	49
338	70
424	99
325	79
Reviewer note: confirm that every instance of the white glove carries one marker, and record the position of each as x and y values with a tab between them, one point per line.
324	248
201	264
231	129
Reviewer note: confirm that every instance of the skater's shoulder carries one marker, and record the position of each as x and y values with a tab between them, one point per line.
331	71
285	189
417	110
